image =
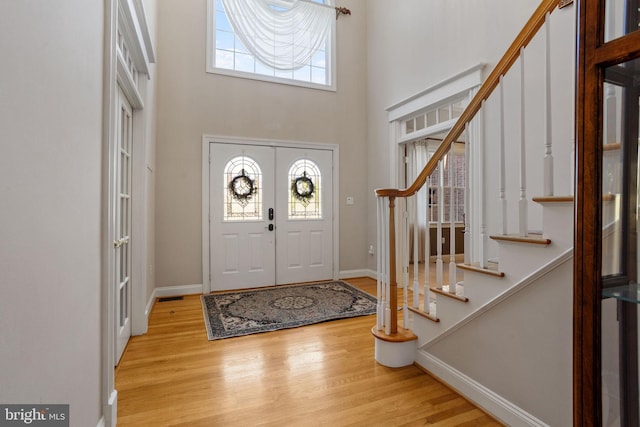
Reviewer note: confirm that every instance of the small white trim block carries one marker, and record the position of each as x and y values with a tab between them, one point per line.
395	354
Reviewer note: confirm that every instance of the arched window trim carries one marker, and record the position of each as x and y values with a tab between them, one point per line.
300	171
242	181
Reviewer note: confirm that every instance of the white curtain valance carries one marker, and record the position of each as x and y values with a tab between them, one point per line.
284	37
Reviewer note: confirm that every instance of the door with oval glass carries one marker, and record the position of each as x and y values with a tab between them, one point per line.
271	213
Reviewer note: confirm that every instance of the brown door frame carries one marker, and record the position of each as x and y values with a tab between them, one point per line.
593	56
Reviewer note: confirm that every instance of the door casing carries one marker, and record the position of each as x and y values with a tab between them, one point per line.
207	140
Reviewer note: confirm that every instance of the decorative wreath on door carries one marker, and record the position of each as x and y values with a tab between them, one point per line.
242	188
303	189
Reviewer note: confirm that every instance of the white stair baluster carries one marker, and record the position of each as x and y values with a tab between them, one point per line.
381	266
416	251
482	254
452	223
548	156
387	292
427	256
467	196
503	166
439	265
522	203
405	263
378	264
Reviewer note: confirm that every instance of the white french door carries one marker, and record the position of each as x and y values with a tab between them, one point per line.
271	215
242	235
304	225
122	215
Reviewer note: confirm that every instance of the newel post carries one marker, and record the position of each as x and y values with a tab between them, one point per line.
393	285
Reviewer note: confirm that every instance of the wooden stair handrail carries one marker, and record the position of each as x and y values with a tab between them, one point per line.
524	37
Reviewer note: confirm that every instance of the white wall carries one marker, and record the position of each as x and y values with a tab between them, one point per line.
50	192
523	355
413	45
151	10
192	102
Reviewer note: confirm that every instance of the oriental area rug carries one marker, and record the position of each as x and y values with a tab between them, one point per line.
233	314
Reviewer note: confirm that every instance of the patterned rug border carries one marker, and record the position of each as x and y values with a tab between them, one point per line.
220	332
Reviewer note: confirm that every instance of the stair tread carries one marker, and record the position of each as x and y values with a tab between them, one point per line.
420	312
553	199
535	239
403	335
448	294
491	270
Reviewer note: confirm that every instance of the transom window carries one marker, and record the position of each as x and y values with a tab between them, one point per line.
304	193
283	41
433	117
242	182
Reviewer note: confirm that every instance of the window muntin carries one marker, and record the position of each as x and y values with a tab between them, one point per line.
457	188
433	117
242	182
226	54
304	200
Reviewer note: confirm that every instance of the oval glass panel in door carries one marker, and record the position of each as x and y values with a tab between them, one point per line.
242	190
304	190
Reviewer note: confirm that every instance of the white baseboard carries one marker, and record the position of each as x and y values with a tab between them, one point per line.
150	303
491	402
365	272
174	291
110	413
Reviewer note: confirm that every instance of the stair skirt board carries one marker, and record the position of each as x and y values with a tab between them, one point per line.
512	290
491	402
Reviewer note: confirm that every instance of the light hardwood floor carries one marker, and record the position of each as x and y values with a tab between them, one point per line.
318	375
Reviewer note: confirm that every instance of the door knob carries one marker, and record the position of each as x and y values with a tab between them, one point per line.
270	227
118	243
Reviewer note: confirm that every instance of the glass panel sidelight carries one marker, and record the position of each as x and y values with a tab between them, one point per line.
242	182
621	17
612	178
304	190
620	257
619	211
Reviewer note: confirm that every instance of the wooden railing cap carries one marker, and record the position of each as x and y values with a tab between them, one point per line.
513	52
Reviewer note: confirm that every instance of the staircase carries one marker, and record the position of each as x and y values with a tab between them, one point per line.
523	262
502	336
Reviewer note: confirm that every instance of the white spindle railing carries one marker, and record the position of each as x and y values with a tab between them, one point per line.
522	202
503	166
452	223
428	306
405	263
483	255
439	264
411	227
382	264
416	248
467	198
548	155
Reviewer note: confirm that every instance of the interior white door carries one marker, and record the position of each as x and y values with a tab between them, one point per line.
242	240
271	215
122	215
304	215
